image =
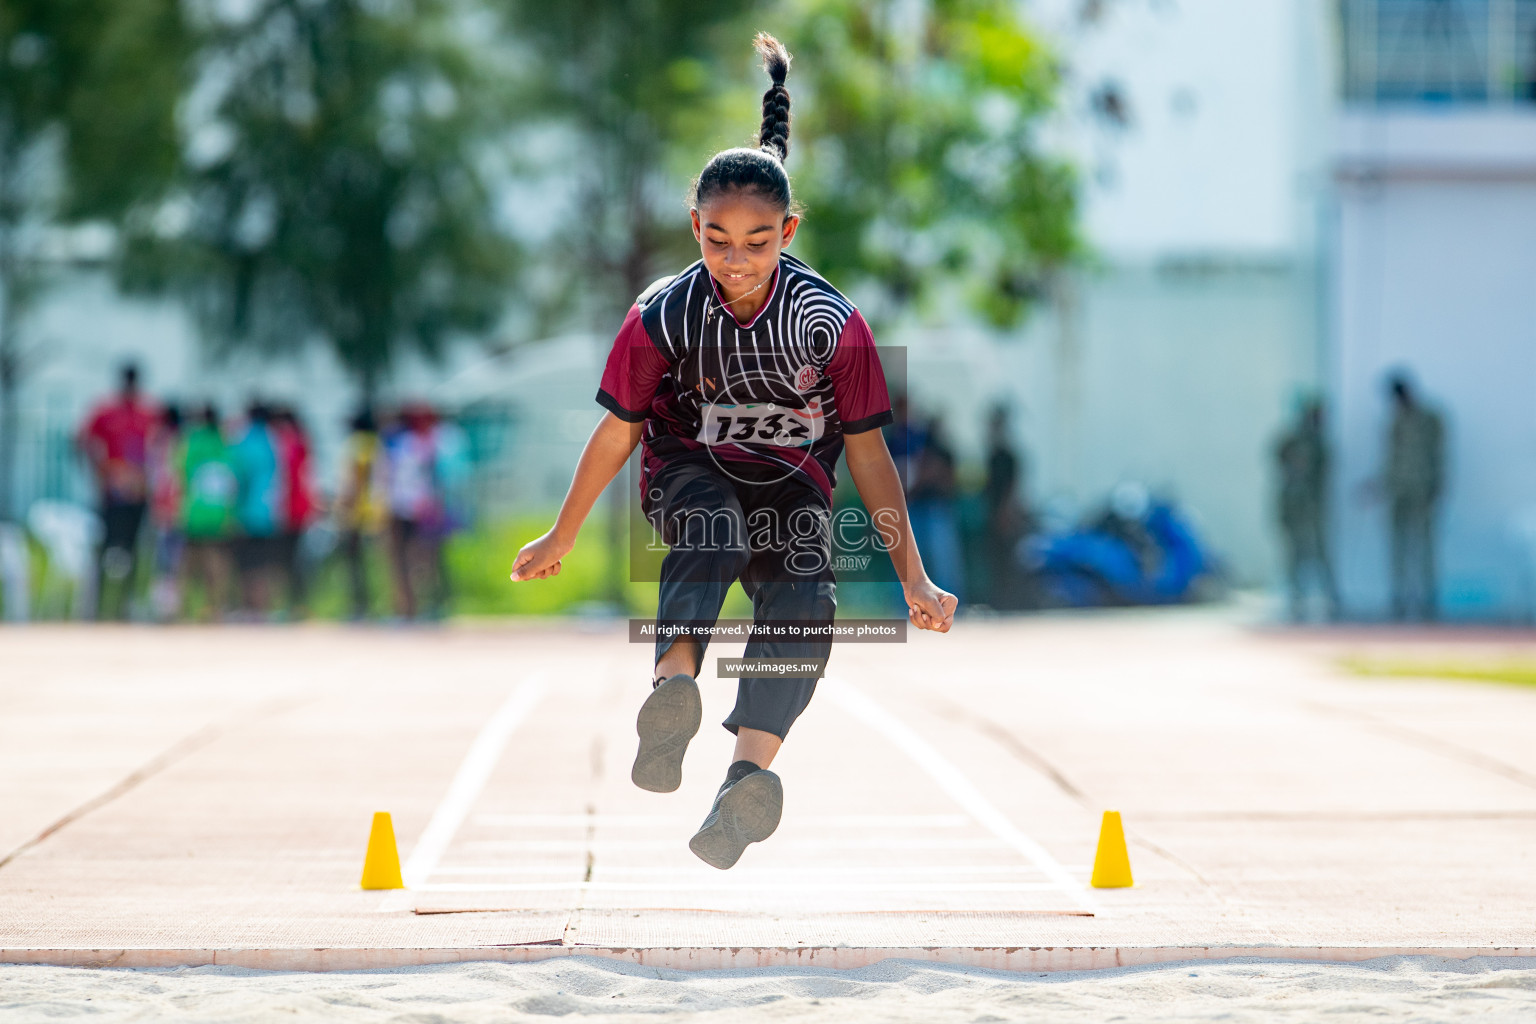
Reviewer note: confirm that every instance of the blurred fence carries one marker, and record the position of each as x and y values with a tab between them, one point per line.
1430	51
491	429
48	466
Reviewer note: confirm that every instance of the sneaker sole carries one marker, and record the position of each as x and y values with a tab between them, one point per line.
749	813
668	719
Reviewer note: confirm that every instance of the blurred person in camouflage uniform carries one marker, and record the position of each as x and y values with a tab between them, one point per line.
1303	458
1413	480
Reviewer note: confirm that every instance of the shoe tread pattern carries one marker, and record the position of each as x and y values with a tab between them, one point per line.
748	812
668	720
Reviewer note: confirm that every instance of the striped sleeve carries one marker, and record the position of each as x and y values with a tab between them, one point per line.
858	380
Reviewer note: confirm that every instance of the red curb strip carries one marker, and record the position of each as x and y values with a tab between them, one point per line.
1014	958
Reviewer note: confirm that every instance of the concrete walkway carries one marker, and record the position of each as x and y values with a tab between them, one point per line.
204	795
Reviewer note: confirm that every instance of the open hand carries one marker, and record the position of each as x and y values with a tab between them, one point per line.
930	607
539	559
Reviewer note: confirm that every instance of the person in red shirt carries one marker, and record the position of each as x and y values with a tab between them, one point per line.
115	440
300	505
744	377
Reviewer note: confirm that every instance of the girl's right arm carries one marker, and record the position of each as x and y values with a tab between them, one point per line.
607	450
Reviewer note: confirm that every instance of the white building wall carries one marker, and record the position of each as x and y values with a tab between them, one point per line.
1436	273
1175	362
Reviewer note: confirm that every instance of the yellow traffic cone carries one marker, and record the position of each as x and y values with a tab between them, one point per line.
1112	863
381	866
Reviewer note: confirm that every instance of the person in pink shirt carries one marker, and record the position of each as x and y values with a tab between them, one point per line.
115	440
165	516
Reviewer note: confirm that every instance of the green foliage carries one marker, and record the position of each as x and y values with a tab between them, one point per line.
913	148
639	85
1518	672
480	562
336	183
103	77
88	92
917	160
627	84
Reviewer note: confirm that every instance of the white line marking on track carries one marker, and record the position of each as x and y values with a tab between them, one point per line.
602	846
646	821
744	875
581	821
788	889
959	788
469	781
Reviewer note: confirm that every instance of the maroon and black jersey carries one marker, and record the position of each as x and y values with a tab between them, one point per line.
779	391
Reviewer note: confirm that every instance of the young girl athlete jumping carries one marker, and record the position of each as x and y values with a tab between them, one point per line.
745	376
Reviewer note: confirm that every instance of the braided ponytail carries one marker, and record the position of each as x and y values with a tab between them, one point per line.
759	170
773	136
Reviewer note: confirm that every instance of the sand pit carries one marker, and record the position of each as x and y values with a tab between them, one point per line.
1420	989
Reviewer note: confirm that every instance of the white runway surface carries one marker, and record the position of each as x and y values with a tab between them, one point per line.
1419	989
187	797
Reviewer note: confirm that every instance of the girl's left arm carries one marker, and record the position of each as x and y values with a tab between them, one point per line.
874	474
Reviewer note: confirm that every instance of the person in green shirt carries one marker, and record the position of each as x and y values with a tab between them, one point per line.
210	488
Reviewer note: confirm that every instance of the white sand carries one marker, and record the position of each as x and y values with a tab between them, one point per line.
1419	989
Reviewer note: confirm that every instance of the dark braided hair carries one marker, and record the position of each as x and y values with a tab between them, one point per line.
759	170
774	133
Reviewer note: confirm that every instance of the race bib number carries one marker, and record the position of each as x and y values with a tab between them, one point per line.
762	423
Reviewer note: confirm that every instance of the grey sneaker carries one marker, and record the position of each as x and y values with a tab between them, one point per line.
746	811
668	719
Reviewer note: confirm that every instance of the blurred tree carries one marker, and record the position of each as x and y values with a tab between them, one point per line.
88	92
635	84
918	163
336	182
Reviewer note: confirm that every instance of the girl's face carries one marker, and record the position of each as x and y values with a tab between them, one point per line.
741	235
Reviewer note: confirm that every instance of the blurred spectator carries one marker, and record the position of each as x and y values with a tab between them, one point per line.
115	440
454	470
165	511
361	511
259	510
1302	457
1413	479
905	439
299	503
931	508
1006	514
416	510
210	490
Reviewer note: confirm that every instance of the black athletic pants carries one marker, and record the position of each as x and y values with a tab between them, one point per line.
724	521
121	523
